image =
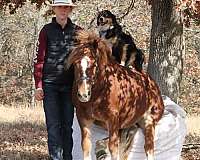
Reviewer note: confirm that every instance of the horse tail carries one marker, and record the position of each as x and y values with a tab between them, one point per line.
154	98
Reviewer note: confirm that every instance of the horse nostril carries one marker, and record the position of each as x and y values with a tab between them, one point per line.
85	95
78	94
89	92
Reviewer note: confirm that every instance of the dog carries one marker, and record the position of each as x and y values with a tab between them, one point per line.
122	44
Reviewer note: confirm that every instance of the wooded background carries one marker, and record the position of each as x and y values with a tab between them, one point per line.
167	31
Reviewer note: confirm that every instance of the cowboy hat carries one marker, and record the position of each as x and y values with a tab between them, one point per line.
62	3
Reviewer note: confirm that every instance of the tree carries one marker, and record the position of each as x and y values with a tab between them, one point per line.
18	36
13	5
166	47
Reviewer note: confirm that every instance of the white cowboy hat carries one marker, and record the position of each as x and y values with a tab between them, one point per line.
62	3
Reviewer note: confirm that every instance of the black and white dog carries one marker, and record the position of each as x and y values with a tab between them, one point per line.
123	47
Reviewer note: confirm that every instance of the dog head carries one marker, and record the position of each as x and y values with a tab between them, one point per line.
106	18
106	21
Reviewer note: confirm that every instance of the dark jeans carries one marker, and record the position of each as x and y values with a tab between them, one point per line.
59	113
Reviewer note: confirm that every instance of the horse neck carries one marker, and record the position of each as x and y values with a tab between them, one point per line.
101	72
105	66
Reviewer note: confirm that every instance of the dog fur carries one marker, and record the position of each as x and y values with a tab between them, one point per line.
122	44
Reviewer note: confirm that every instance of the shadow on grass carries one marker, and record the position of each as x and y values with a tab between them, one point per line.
23	141
14	155
191	148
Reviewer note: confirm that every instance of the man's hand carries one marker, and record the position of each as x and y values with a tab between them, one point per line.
39	94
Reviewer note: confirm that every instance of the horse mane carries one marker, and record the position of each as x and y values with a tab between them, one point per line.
86	39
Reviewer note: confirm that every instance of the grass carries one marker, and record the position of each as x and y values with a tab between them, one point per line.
193	126
22	114
23	133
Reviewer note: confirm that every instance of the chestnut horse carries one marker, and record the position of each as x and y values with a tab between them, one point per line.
106	91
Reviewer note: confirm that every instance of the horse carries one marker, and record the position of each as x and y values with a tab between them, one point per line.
104	90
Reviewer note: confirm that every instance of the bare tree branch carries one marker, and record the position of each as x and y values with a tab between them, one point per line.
128	10
120	18
93	19
189	146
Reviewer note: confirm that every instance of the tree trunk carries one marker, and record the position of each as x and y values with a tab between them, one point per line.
166	47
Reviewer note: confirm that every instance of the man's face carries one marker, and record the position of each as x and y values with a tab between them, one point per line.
62	12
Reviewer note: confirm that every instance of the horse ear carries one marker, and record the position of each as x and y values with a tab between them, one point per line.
96	43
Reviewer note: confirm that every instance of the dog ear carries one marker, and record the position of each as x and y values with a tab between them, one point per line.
98	10
114	19
99	14
117	27
95	44
98	20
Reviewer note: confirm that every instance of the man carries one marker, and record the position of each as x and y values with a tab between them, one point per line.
53	83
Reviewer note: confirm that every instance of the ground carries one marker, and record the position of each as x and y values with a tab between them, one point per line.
191	152
23	136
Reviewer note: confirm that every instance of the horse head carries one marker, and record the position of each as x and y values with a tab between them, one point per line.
87	59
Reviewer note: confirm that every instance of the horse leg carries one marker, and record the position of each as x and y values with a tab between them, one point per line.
114	145
149	133
86	139
113	128
126	139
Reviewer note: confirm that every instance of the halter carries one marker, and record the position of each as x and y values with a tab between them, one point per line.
92	80
83	78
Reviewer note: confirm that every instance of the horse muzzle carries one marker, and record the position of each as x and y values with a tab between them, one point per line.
84	97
